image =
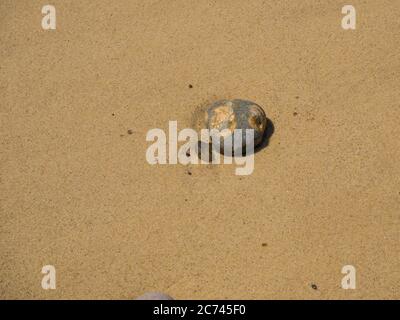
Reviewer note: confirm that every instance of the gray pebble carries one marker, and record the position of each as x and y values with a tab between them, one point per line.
237	114
154	296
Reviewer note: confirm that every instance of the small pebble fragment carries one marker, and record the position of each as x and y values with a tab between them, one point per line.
154	296
314	286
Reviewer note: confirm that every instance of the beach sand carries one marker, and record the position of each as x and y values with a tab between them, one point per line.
77	192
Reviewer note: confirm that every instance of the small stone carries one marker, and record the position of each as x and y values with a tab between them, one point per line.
154	296
314	286
237	114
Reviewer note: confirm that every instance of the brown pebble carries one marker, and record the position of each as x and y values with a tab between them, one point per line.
314	286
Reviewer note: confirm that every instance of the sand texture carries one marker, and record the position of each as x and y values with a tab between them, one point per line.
77	192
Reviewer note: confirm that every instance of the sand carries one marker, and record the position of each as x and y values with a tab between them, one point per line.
77	192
